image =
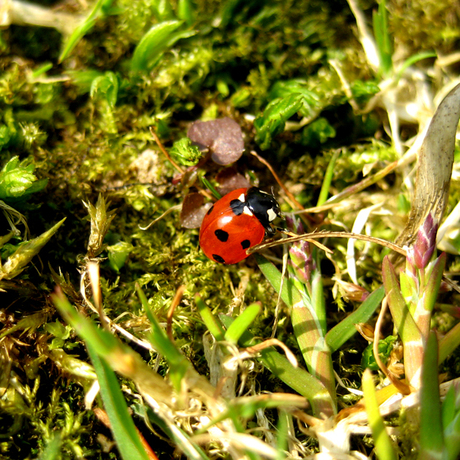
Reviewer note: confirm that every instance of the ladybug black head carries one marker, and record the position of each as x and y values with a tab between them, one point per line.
264	207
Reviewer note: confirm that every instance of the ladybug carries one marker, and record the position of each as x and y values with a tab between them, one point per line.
236	222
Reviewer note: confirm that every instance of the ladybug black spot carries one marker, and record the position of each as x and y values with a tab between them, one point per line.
210	210
237	207
221	235
245	244
218	258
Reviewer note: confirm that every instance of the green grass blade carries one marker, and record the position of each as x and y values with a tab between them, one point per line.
83	29
382	442
343	331
328	179
289	294
382	38
213	325
124	431
431	430
122	425
242	323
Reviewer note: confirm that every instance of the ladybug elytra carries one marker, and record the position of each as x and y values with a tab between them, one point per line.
236	222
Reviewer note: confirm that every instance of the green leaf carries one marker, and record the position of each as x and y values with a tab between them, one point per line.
448	407
435	273
343	331
178	436
58	329
124	431
5	136
451	423
413	60
289	293
317	133
155	42
83	79
286	88
41	70
164	11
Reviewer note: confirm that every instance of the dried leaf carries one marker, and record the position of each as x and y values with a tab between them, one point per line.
193	210
223	137
229	179
434	171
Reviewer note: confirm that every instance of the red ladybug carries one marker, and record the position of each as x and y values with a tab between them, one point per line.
236	222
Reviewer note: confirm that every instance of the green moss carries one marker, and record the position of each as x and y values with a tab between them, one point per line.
82	126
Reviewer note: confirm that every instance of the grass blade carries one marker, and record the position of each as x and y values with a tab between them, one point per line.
431	430
343	331
124	431
383	446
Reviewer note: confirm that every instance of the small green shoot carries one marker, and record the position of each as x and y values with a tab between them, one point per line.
18	181
118	253
277	112
185	152
87	24
53	449
105	86
155	42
